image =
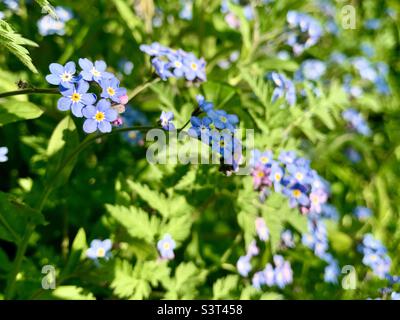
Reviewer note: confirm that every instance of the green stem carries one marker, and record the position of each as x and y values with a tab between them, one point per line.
29	91
139	89
23	244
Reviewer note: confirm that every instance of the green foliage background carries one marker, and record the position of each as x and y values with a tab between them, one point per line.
110	191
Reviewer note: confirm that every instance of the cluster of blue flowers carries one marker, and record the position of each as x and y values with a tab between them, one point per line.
375	256
47	25
99	115
356	122
280	276
217	129
166	247
169	63
304	32
374	73
99	250
291	176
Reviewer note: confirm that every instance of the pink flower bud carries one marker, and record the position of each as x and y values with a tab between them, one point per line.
118	122
124	99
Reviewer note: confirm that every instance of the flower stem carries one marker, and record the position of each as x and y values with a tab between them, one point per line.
29	91
139	89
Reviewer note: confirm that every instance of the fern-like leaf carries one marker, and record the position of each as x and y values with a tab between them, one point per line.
15	43
47	8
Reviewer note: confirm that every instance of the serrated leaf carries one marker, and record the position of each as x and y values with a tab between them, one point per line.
224	288
137	222
15	43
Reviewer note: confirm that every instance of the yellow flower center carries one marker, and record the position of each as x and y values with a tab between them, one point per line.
66	77
260	174
178	64
76	97
110	91
296	193
101	252
166	246
314	199
264	160
95	72
223	119
194	66
299	176
99	116
277	176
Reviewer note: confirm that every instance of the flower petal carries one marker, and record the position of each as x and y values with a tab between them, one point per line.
104	126
89	126
64	104
77	109
85	64
53	79
100	65
111	114
83	87
56	68
89	112
70	67
103	105
89	98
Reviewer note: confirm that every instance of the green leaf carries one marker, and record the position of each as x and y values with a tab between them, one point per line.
183	285
225	288
13	111
78	250
15	43
135	283
259	87
47	8
72	293
63	141
179	228
15	216
137	222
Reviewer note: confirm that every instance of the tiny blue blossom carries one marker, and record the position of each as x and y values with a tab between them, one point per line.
75	98
62	75
112	90
3	154
99	117
284	88
99	249
166	120
94	71
243	265
166	247
362	213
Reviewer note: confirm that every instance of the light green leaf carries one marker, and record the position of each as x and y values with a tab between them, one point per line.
13	111
63	141
225	288
137	222
72	293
